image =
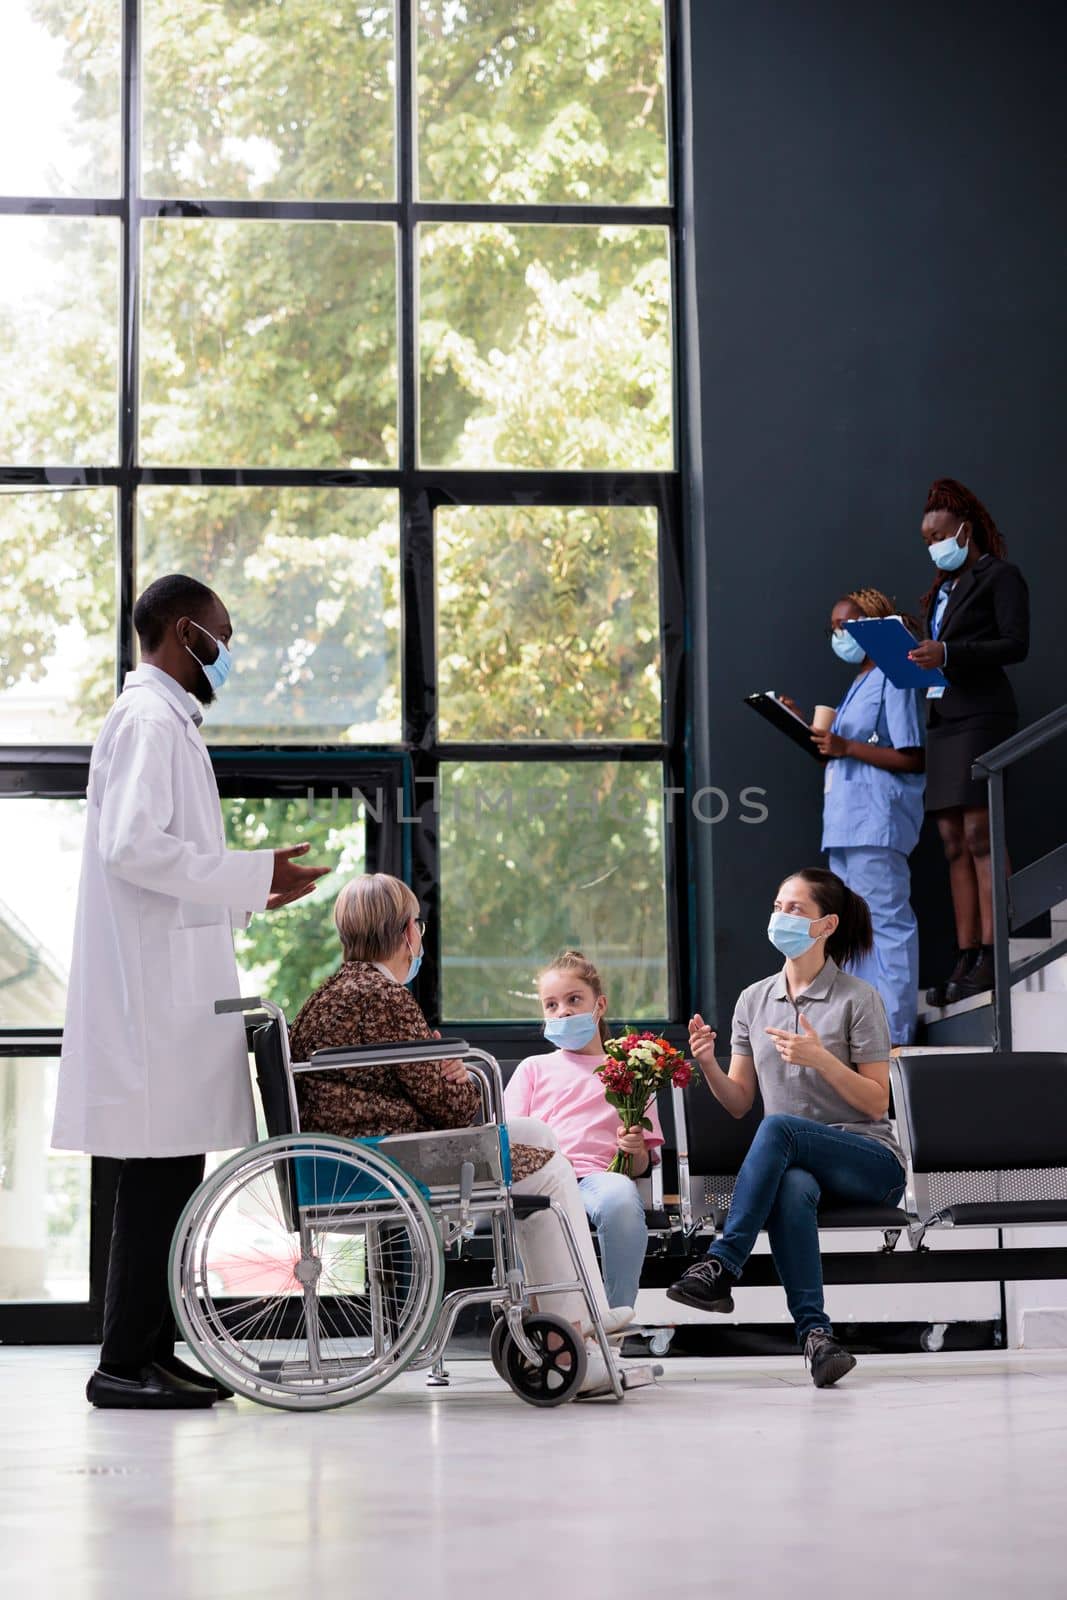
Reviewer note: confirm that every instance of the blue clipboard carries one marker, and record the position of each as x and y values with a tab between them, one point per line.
887	641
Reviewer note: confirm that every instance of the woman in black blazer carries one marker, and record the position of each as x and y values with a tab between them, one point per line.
976	621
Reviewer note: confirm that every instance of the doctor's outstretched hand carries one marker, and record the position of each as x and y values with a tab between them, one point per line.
291	881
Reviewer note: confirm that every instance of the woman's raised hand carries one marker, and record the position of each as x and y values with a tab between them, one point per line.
701	1039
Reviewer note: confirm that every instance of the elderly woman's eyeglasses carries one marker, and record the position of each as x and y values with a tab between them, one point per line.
421	925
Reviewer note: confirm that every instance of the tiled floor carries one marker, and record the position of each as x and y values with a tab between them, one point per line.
920	1476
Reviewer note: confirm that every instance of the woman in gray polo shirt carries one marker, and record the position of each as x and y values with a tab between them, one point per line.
816	1041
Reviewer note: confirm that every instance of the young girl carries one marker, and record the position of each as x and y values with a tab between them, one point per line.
563	1090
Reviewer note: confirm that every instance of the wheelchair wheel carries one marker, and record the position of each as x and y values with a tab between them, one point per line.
306	1272
563	1360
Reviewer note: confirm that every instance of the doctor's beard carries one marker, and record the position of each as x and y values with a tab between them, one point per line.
201	689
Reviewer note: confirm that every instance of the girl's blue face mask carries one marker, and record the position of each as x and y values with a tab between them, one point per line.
947	554
846	648
573	1032
413	968
791	935
216	672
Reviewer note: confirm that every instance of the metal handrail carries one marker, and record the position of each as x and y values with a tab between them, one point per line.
992	766
1021	744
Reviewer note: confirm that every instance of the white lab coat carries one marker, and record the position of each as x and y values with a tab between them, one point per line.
147	1068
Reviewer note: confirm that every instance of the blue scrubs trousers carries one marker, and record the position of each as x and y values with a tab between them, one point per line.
882	877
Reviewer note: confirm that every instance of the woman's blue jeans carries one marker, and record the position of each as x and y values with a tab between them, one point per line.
614	1209
791	1163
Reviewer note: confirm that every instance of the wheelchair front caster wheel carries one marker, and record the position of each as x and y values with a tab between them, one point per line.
660	1342
496	1347
563	1361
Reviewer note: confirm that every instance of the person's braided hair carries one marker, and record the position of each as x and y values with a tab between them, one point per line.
873	603
948	494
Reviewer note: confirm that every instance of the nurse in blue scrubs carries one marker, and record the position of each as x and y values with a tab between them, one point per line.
873	809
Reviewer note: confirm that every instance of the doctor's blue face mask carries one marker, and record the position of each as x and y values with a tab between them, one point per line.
216	672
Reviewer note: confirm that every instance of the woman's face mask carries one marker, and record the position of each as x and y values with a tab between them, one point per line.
846	648
791	935
948	554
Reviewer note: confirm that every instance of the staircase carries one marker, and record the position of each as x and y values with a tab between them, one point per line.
1028	1009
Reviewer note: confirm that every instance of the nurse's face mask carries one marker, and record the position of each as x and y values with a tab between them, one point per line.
216	672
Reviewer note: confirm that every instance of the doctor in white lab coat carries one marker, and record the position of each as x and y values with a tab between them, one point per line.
148	1073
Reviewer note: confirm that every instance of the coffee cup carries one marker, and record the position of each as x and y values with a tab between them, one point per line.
823	718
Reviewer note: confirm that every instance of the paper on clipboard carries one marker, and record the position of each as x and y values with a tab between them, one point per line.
786	721
887	640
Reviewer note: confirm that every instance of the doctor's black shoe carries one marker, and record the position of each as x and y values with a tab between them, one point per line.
707	1285
944	994
827	1359
203	1380
152	1390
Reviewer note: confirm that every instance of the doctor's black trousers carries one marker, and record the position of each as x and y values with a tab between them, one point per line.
138	1322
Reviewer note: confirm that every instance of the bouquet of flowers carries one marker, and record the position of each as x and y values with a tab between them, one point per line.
638	1065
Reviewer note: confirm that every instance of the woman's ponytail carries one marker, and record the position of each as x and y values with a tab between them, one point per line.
853	935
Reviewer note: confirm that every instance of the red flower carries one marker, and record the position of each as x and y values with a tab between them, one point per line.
682	1076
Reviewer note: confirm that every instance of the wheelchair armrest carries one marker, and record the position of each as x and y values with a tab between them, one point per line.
383	1055
523	1204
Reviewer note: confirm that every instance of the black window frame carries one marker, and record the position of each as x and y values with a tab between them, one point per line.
410	849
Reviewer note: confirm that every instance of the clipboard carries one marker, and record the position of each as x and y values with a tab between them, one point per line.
769	706
887	641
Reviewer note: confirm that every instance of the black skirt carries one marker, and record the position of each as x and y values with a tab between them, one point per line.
951	750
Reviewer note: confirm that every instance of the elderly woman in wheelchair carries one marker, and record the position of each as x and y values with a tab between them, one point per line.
308	1271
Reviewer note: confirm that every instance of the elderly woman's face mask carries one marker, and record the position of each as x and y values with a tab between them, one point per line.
416	957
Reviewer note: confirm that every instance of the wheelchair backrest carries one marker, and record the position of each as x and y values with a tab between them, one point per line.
272	1075
271	1055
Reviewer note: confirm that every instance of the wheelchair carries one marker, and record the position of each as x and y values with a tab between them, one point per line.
307	1271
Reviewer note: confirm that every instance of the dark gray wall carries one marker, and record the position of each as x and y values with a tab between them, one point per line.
876	272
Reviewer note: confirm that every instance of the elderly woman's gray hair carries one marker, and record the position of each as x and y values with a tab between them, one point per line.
372	913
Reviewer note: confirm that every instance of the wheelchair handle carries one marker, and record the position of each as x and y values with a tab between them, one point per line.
240	1003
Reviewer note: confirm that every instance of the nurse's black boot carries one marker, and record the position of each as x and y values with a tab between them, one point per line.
943	994
978	979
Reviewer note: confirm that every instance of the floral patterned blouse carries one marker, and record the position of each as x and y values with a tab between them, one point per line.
362	1005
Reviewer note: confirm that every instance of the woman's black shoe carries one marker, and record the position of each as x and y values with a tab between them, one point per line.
202	1380
707	1285
152	1390
978	979
827	1359
943	994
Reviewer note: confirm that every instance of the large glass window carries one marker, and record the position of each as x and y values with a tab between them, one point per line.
59	98
559	102
59	333
44	1193
562	859
287	955
57	615
364	316
260	342
40	861
545	346
283	102
548	622
311	579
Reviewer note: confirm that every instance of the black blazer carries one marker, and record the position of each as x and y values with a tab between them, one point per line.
986	627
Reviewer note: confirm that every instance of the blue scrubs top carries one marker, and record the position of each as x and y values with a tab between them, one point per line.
865	805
